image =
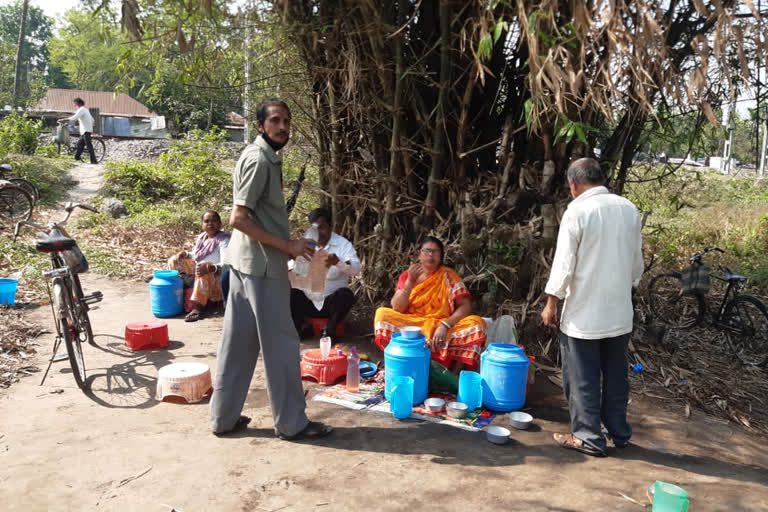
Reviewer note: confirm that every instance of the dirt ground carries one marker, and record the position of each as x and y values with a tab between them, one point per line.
117	448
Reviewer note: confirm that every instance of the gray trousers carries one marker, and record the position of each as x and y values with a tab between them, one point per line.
258	318
596	386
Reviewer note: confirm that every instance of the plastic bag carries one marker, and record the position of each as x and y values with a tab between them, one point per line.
442	379
696	279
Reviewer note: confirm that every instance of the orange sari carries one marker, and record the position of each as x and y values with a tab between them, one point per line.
207	287
431	301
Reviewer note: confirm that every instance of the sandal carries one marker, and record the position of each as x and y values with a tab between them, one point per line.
571	442
241	424
313	430
193	316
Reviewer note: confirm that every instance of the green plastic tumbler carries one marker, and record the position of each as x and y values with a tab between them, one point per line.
669	498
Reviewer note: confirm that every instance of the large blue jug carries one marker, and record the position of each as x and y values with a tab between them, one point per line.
166	293
504	369
407	358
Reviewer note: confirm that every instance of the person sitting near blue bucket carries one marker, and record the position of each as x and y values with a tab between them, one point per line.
433	297
201	269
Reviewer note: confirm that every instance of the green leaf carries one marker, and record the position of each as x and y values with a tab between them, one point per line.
500	27
579	133
485	48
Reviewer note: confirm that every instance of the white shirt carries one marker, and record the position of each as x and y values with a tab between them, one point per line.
598	259
348	265
83	116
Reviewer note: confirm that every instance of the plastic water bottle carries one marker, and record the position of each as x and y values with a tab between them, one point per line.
325	344
353	371
301	265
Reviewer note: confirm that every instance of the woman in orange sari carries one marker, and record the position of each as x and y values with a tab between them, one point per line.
432	296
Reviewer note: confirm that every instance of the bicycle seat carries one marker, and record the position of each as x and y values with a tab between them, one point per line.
55	243
6	168
729	276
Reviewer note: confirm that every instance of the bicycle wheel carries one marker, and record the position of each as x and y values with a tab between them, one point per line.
69	332
670	305
99	149
27	187
15	204
746	319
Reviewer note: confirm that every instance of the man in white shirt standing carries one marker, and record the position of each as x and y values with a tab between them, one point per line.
597	262
84	118
342	263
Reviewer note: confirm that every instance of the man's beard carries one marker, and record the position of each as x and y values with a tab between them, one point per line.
274	145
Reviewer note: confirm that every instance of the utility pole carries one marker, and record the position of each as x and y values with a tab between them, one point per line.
19	51
725	164
763	157
247	89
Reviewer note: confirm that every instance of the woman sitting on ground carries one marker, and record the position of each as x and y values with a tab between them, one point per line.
432	296
201	269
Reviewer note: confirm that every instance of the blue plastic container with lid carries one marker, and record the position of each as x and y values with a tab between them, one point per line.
407	358
504	369
166	293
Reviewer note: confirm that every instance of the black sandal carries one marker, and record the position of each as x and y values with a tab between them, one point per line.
193	316
313	430
241	424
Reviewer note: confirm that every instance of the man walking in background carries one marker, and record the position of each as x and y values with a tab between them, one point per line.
84	118
597	261
258	314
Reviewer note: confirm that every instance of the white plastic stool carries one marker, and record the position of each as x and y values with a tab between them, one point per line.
190	381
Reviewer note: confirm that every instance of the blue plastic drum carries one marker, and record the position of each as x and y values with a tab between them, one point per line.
166	293
407	358
504	369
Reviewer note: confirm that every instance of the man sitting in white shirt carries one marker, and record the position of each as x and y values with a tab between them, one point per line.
342	263
597	261
83	116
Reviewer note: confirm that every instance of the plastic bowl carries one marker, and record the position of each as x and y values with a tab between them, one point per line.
520	420
434	404
456	409
411	332
497	435
368	369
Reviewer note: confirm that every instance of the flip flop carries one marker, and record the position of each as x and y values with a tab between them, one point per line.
570	442
241	424
193	316
313	430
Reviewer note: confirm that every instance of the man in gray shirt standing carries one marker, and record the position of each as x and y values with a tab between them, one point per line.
258	315
597	261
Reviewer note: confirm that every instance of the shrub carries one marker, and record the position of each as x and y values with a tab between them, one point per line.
18	134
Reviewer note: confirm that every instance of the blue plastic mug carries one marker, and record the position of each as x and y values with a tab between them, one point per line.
401	401
470	389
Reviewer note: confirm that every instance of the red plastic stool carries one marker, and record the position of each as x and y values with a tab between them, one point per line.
188	304
146	335
323	370
318	324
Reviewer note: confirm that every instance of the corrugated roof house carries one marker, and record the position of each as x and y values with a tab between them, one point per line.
118	114
109	104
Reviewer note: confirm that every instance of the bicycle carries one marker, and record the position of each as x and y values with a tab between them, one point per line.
68	303
743	317
26	185
65	140
15	203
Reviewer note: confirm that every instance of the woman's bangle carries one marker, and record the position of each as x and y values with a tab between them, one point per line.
445	324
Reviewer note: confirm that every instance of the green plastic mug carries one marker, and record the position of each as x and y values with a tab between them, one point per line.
669	498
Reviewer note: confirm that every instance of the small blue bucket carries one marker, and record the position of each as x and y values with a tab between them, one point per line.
8	291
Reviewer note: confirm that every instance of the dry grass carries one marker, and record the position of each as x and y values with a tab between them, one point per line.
17	345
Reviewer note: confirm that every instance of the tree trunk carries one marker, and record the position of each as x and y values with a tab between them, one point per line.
19	52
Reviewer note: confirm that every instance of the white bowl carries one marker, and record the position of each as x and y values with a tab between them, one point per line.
520	420
434	404
497	435
411	332
456	409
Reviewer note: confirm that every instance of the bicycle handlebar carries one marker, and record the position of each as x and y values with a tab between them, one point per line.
69	208
696	258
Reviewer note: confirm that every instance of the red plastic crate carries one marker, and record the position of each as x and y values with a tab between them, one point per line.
323	370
